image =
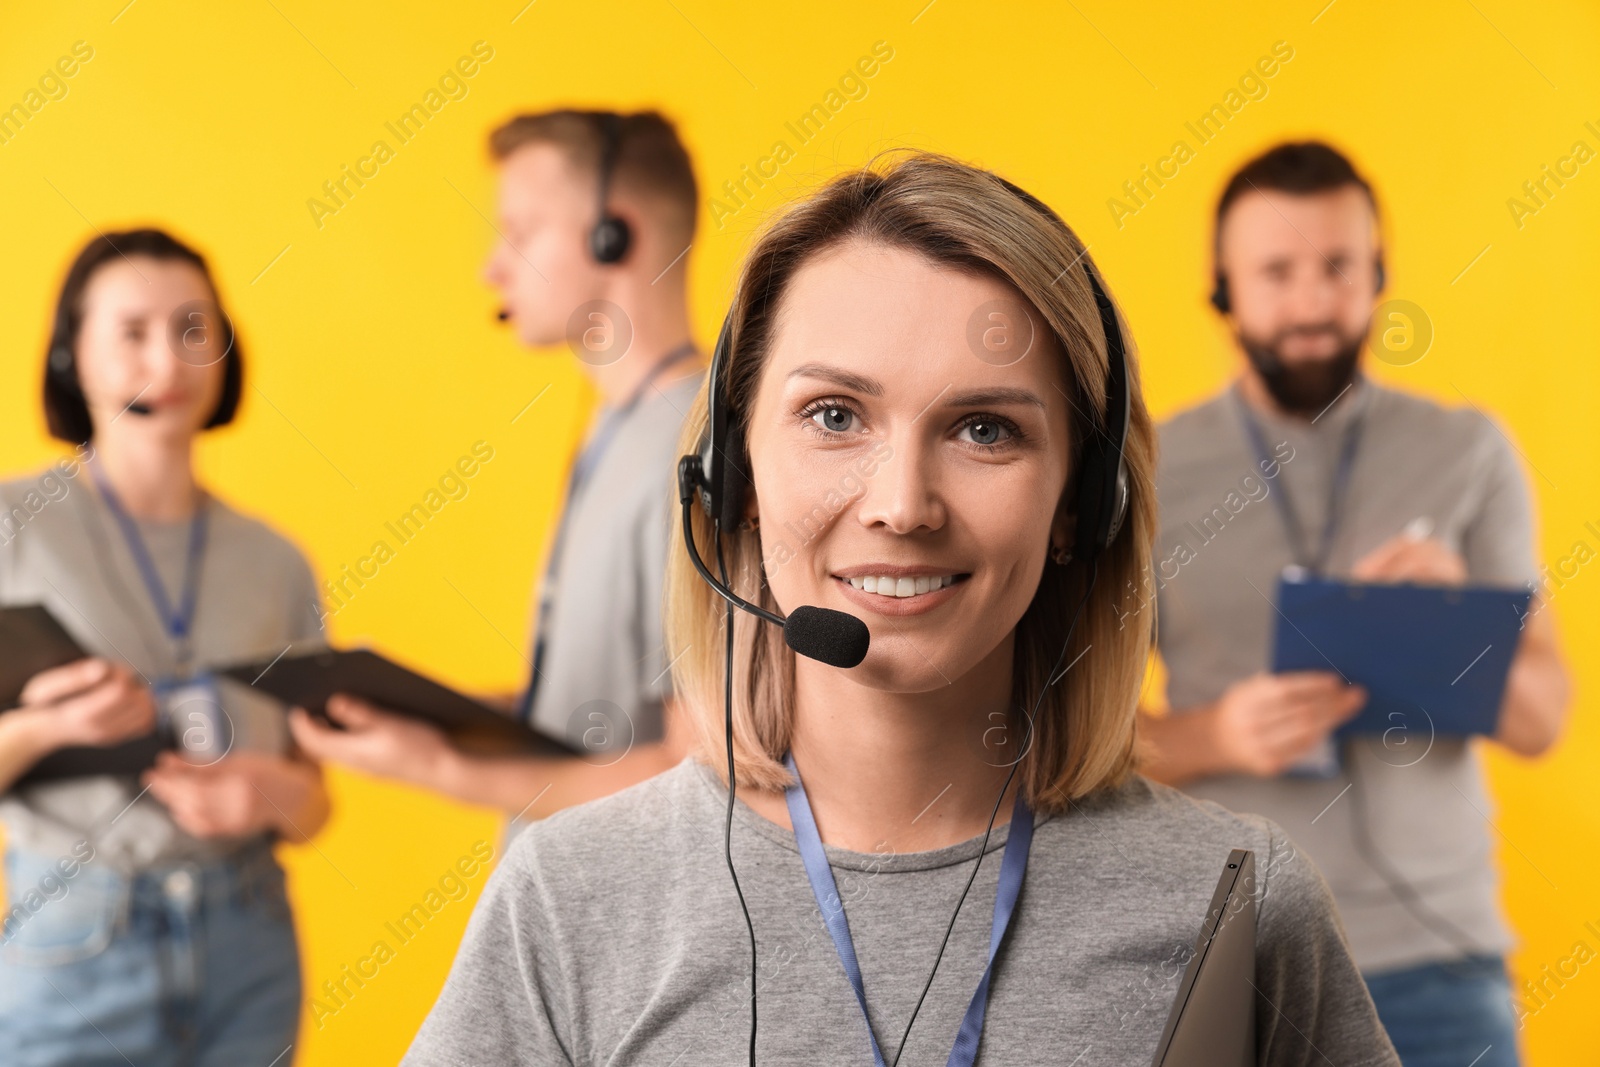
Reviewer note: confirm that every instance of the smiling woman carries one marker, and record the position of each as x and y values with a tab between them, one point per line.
994	705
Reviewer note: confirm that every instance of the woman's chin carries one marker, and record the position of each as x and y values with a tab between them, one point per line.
897	665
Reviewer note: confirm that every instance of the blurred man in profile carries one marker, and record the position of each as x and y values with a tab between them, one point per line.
596	215
1343	477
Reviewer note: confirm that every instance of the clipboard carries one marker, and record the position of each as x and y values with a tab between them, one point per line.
308	679
1213	1018
1432	658
34	640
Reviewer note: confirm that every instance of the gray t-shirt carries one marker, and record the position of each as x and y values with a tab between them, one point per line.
1220	550
603	674
611	933
63	548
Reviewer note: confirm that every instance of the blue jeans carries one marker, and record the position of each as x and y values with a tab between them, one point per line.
183	965
1449	1014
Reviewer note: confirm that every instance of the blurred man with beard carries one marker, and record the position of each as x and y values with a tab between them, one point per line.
1303	461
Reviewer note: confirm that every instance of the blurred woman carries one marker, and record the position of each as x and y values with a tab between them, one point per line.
147	919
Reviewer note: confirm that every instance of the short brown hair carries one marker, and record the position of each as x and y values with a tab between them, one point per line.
965	218
651	162
66	412
1301	168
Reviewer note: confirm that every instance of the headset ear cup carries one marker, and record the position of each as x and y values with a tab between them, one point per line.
61	364
1119	509
1219	294
1091	491
735	477
1098	525
609	239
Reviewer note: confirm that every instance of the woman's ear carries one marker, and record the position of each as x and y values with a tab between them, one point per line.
751	516
1063	532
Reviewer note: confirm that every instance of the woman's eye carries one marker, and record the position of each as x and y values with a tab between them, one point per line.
833	419
985	432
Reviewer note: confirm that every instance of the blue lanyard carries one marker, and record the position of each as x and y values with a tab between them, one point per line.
582	467
177	621
1291	521
1013	867
589	458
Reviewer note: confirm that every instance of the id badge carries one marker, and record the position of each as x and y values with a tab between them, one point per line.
192	711
1321	762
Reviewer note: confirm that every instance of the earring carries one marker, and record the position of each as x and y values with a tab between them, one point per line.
752	523
1060	554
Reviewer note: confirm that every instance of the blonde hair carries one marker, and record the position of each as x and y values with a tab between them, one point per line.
961	217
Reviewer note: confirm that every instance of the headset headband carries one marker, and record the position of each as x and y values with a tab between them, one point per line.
610	238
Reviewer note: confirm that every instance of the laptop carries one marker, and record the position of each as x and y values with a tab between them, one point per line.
1213	1018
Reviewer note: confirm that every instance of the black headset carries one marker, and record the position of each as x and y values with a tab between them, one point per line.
610	238
1102	499
62	366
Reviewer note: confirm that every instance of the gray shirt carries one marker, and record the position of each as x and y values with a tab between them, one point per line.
611	933
62	548
603	674
1220	550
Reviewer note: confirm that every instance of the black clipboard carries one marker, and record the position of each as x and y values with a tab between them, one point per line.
33	640
308	679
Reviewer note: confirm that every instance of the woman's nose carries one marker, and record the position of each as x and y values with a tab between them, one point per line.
904	495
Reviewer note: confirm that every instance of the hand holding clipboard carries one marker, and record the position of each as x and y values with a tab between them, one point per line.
1432	658
102	717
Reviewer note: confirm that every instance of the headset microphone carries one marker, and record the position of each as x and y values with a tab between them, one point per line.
136	408
832	637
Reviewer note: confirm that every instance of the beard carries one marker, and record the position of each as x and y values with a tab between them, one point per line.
1306	386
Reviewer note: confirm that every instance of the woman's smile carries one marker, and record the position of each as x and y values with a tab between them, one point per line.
899	590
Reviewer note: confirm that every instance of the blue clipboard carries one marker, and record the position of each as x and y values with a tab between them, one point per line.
1432	658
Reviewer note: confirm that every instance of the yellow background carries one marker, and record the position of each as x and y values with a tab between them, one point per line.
374	362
